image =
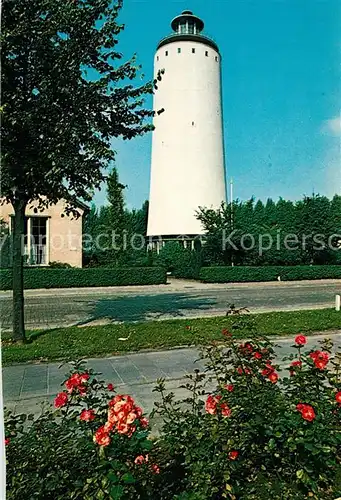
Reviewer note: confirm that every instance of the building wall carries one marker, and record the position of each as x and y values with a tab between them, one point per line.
64	233
187	169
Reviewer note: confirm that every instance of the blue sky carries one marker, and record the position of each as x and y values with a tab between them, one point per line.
281	92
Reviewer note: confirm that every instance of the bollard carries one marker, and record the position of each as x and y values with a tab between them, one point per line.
337	302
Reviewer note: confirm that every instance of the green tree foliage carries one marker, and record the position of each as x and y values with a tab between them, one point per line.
314	222
57	122
305	232
219	224
116	201
131	229
137	219
112	219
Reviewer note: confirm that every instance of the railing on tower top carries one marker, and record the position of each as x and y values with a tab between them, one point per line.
175	34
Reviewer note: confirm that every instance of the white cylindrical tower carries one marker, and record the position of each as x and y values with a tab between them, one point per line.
187	169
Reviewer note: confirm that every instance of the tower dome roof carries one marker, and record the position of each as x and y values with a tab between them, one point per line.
188	27
187	18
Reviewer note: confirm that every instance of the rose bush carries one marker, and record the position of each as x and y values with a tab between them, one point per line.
262	432
94	445
250	428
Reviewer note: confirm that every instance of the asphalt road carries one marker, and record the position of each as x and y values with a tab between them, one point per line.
178	299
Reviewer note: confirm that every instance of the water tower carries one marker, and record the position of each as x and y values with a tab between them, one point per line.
187	168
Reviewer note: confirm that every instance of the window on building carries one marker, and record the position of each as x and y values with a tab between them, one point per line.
190	27
179	50
35	243
38	240
166	53
206	53
216	58
183	28
193	51
157	58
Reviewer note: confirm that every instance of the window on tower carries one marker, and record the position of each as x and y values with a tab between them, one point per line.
193	51
183	28
157	58
206	53
216	58
166	53
179	50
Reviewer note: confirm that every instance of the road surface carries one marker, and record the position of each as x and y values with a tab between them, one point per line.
178	299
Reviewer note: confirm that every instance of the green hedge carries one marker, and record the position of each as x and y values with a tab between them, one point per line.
181	262
70	278
267	273
188	265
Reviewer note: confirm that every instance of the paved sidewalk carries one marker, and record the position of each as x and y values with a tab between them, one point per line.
26	385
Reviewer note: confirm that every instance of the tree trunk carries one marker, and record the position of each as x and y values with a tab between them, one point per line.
18	271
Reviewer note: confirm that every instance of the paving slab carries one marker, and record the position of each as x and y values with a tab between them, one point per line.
27	386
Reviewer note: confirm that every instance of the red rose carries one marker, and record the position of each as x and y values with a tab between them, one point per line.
75	382
296	363
87	415
7	441
273	377
225	410
144	422
301	340
101	437
306	411
211	404
188	327
139	460
155	469
257	355
246	348
61	400
241	370
83	377
229	387
138	410
82	390
110	387
233	455
72	382
268	369
320	359
338	397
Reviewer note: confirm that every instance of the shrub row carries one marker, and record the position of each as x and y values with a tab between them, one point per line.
268	273
70	278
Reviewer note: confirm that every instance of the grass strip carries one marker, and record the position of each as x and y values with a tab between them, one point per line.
75	342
